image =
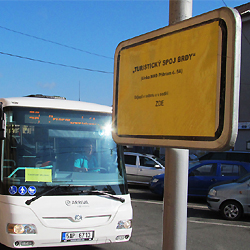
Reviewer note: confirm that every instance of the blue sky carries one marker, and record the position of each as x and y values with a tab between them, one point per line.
95	28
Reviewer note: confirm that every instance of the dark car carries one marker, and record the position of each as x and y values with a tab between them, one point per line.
227	156
157	184
205	174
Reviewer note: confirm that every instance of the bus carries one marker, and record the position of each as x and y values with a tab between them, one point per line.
53	192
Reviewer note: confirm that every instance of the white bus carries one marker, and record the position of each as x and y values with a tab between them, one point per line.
63	179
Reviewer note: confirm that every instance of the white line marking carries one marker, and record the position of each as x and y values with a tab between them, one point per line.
161	202
218	224
149	201
203	207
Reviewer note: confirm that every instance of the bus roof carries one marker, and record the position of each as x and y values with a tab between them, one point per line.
54	104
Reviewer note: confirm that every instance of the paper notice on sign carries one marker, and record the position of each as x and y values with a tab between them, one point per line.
170	83
38	175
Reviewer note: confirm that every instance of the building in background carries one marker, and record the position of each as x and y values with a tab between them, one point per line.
243	139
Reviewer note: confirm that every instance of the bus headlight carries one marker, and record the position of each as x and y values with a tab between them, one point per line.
124	224
21	228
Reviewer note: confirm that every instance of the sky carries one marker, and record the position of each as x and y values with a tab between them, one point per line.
66	48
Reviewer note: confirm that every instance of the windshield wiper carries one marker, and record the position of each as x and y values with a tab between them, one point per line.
28	202
91	191
98	192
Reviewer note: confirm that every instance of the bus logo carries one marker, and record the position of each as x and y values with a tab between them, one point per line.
78	202
78	217
67	202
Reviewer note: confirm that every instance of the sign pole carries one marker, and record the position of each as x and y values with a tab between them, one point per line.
175	199
176	169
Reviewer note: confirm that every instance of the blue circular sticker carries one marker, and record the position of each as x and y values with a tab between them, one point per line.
13	190
31	190
22	190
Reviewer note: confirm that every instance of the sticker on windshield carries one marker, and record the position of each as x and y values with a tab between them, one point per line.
38	175
13	190
31	190
22	190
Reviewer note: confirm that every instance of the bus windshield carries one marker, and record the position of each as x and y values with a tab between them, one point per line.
45	148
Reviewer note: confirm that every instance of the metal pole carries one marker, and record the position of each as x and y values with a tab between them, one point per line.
179	10
175	199
176	168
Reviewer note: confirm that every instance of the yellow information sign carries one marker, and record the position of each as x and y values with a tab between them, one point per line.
171	84
166	83
38	175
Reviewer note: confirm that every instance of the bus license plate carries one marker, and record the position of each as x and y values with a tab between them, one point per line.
77	236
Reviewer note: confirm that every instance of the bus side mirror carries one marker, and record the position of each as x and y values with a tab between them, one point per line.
2	123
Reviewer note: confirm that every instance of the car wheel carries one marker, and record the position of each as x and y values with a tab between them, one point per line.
231	210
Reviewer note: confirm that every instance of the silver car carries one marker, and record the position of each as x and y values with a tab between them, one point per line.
231	200
141	168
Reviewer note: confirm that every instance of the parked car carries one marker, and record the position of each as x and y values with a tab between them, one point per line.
157	184
231	200
227	156
192	158
203	175
211	172
141	167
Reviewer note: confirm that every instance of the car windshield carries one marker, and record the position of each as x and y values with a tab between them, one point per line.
193	164
46	147
159	160
243	178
